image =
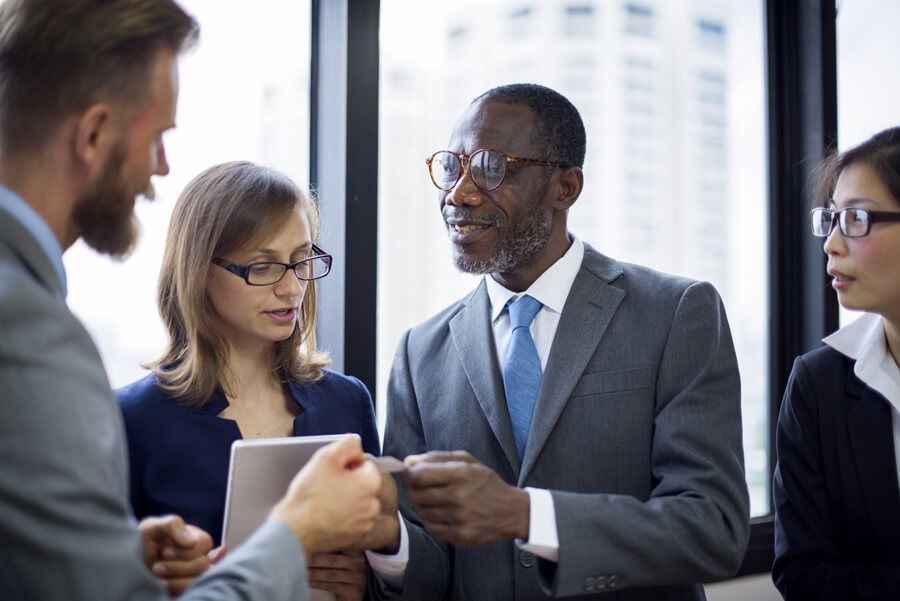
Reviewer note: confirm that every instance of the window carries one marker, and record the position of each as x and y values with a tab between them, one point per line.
237	101
579	20
519	22
711	35
868	60
639	20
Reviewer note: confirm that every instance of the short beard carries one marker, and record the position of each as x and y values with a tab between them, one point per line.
516	248
104	215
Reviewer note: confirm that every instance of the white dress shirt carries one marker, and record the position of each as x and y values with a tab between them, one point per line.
863	340
551	289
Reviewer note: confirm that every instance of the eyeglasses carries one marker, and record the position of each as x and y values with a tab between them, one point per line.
488	168
264	273
854	222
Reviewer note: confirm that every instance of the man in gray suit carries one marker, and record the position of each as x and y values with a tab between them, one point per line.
616	472
87	88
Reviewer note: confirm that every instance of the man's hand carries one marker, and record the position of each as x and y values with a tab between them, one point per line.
343	574
463	502
385	535
176	553
333	501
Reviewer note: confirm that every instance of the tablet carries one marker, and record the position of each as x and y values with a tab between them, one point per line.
259	473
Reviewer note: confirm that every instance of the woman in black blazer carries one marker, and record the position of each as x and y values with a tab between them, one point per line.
837	497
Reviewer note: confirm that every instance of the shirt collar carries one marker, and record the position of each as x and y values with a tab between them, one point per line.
551	288
862	340
35	225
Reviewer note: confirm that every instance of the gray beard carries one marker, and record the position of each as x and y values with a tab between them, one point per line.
517	247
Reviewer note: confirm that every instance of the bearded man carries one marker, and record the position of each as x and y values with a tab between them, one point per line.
87	89
574	422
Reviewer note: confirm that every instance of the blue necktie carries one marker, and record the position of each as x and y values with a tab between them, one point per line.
521	369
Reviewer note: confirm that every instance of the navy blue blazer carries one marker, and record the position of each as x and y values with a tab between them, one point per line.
837	499
179	455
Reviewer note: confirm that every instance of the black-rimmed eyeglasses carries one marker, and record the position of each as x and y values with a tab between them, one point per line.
854	222
488	168
264	273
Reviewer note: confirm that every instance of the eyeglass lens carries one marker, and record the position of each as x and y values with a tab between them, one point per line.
488	169
853	222
313	268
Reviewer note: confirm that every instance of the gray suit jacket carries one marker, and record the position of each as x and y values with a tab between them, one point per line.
636	432
66	527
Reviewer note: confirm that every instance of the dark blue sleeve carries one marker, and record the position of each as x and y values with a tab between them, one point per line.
337	404
364	412
369	431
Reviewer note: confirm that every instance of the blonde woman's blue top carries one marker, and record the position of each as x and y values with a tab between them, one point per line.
179	455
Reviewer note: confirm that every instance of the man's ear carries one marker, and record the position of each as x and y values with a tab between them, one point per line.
93	134
571	181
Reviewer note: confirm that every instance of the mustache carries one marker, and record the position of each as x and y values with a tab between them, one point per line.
457	213
148	192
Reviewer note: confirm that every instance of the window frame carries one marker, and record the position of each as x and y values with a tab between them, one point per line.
343	132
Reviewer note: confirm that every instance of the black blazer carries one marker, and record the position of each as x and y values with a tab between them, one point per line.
837	499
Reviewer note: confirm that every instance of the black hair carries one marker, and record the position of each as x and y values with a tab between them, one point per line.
560	131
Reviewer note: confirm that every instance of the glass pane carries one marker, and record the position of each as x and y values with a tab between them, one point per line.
244	95
673	98
868	59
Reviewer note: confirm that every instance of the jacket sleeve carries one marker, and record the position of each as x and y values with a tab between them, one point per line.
694	527
66	527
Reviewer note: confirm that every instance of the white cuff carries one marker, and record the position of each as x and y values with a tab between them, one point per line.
543	539
392	568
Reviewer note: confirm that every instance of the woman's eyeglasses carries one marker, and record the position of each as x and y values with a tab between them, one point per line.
264	273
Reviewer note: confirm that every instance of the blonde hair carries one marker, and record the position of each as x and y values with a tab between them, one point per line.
228	207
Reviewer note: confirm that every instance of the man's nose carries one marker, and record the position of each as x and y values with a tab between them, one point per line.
465	192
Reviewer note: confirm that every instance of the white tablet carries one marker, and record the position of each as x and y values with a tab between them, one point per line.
259	473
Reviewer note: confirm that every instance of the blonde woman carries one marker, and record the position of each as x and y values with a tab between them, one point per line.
237	295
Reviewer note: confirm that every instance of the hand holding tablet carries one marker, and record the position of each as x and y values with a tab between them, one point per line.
261	471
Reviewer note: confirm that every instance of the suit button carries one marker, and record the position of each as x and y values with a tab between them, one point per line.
527	559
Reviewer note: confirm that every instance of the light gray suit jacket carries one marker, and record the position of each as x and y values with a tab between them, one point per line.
636	432
66	527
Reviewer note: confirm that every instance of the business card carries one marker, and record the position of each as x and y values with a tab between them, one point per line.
388	464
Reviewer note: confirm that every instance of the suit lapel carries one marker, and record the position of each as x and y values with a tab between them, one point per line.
589	308
474	341
29	252
871	441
